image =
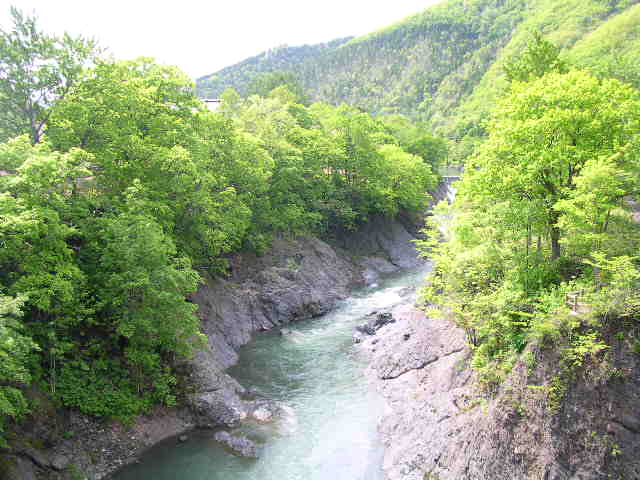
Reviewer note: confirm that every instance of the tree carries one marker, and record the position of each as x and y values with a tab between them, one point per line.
37	258
263	85
597	204
143	284
152	139
36	69
539	57
416	140
561	157
543	134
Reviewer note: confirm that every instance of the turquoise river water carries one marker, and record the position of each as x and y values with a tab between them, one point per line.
329	431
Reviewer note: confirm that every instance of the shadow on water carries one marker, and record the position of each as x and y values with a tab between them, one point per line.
329	429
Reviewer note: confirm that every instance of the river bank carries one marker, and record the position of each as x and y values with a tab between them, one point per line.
298	278
325	424
439	423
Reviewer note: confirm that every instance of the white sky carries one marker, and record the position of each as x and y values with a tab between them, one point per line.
202	37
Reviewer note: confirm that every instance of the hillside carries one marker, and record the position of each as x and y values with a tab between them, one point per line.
282	58
445	63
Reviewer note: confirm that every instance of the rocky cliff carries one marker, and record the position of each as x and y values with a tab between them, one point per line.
541	424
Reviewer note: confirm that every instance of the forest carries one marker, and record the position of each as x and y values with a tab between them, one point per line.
445	65
541	253
539	101
120	193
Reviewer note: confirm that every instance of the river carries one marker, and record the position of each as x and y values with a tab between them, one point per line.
315	371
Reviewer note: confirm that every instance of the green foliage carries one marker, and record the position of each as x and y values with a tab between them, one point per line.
15	351
278	59
266	83
540	57
104	389
446	64
154	145
36	69
134	188
141	279
433	150
541	239
543	135
618	282
610	50
332	167
432	58
563	23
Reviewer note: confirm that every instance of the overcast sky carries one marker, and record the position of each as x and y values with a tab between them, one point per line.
202	37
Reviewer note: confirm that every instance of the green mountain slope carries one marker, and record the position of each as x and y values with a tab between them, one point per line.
283	58
567	23
444	64
613	47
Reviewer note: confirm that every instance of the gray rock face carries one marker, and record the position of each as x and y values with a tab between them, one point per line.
17	468
218	408
296	279
375	321
388	242
238	444
375	267
438	424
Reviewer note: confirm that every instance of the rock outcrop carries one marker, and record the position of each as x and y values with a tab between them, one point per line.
439	424
237	444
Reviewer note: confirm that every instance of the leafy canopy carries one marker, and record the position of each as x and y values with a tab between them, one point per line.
36	69
542	213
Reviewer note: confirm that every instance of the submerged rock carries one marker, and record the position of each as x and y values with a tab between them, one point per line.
264	410
238	444
262	414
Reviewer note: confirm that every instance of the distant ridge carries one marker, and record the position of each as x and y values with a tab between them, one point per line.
281	58
444	64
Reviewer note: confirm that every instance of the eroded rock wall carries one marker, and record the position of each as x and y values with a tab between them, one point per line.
440	425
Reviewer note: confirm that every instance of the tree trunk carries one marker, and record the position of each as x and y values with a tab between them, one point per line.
597	274
528	253
554	233
555	242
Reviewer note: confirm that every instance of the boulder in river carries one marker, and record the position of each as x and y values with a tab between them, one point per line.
366	329
375	321
264	410
218	408
238	444
382	319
